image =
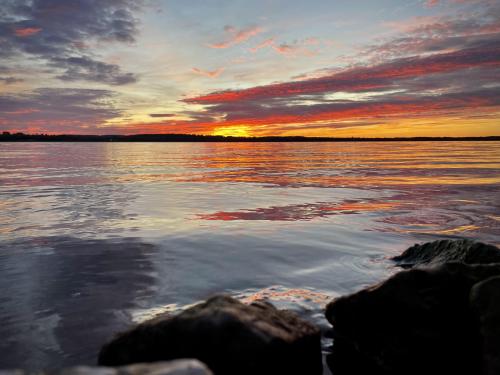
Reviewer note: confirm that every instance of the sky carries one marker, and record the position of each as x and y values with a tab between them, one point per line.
343	68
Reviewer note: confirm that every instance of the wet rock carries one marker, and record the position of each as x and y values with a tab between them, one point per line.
485	301
178	367
439	252
419	321
227	335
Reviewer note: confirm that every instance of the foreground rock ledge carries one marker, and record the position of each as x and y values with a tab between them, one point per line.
439	252
419	321
227	335
485	300
178	367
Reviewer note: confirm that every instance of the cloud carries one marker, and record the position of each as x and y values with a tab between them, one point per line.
86	69
424	35
378	77
236	36
265	43
284	49
22	111
10	80
299	47
208	73
56	30
162	115
58	110
27	31
431	3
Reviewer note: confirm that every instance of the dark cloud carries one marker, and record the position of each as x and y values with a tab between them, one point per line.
58	110
162	115
387	105
59	31
10	80
86	69
431	35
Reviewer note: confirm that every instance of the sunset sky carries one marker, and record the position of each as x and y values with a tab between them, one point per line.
313	68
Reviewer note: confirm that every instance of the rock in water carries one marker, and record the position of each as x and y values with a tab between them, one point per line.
178	367
485	300
439	252
227	335
419	321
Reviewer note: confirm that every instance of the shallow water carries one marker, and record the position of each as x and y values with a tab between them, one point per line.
96	236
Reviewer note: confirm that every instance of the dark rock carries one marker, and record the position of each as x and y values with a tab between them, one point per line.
178	367
439	252
227	335
485	301
417	322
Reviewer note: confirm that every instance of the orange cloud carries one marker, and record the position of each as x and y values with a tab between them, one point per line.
296	48
208	73
266	43
348	118
27	31
236	36
24	111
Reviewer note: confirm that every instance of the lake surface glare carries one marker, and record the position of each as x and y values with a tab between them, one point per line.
97	236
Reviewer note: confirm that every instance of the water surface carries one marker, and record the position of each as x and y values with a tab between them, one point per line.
95	236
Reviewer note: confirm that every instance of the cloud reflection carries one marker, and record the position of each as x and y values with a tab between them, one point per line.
296	212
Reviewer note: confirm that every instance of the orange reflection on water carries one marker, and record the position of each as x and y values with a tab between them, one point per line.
318	164
347	164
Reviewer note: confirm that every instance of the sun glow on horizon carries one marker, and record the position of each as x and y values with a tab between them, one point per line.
234	131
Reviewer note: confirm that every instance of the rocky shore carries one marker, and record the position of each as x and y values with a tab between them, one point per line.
439	315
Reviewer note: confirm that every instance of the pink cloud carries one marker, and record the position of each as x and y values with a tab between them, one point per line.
431	3
27	31
284	48
236	36
208	73
287	49
23	111
311	41
266	43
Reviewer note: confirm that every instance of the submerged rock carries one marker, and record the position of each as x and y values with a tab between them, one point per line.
227	335
178	367
485	300
419	321
439	252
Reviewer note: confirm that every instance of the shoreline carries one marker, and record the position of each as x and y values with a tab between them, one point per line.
21	137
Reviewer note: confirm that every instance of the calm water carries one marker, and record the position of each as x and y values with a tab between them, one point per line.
95	236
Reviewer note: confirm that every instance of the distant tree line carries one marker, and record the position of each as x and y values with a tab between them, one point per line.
21	137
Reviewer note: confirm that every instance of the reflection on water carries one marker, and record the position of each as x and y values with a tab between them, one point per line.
95	236
62	296
306	211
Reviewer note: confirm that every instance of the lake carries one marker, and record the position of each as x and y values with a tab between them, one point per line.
97	236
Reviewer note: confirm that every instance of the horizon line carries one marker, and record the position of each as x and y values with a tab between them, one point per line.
152	137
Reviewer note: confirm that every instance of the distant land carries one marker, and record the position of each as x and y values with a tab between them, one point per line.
21	137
